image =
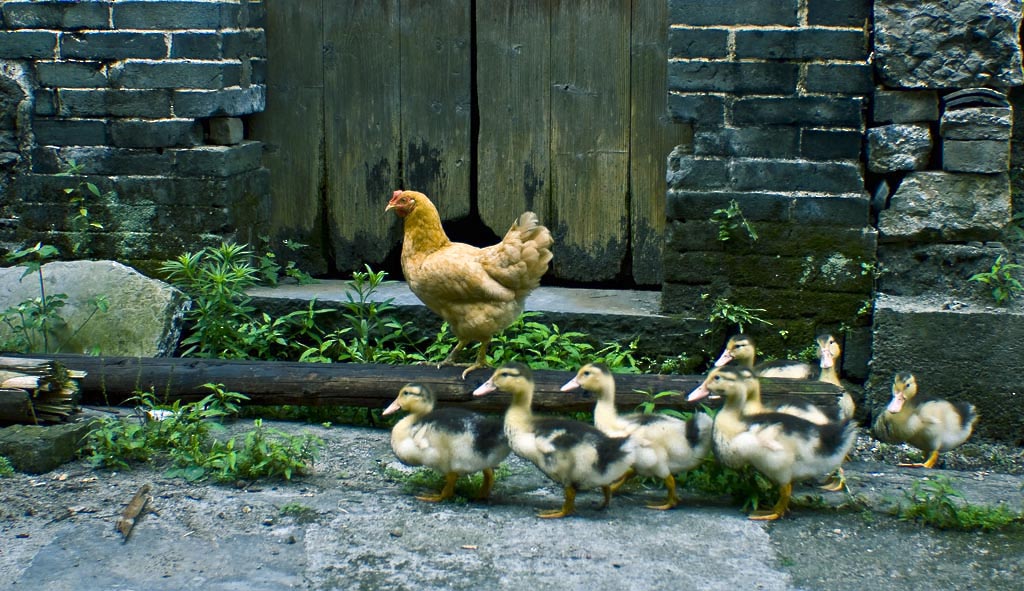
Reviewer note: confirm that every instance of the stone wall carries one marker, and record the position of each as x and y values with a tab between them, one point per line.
146	99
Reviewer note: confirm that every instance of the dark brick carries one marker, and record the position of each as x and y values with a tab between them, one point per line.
768	142
689	172
716	12
201	46
104	161
27	44
45	103
831	144
905	106
101	102
733	77
258	73
71	74
790	175
56	15
848	210
231	102
690	43
218	161
165	133
245	43
70	132
113	45
824	111
840	78
175	14
174	74
838	13
802	44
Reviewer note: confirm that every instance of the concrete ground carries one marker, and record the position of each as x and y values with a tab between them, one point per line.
355	524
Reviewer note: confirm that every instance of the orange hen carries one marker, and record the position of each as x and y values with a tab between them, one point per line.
478	291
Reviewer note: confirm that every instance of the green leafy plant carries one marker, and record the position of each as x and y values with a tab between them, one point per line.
937	503
725	313
745	486
271	271
1000	279
650	404
6	469
78	197
730	220
34	324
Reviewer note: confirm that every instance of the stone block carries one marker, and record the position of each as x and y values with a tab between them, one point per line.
162	133
714	12
733	77
196	45
108	102
981	123
921	269
691	43
225	131
977	156
70	132
699	109
937	44
144	316
899	147
794	175
767	142
218	161
824	111
849	210
801	44
690	172
27	44
838	13
933	205
840	78
175	14
831	144
229	102
944	346
905	106
36	449
32	14
244	43
100	160
71	74
174	74
113	45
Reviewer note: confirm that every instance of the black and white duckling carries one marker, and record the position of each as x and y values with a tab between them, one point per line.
453	441
575	455
664	445
783	447
932	425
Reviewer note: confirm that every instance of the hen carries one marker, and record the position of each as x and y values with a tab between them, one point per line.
478	291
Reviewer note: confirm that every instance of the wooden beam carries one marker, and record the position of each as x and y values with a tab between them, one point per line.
112	380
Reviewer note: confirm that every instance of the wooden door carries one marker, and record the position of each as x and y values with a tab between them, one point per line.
490	108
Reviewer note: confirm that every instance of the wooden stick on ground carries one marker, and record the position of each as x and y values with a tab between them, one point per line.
126	521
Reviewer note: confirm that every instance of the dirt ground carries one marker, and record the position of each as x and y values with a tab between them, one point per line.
354	524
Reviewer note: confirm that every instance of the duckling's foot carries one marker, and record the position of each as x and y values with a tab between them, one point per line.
625	478
568	507
446	493
780	507
933	458
488	484
671	500
607	490
763	516
836	481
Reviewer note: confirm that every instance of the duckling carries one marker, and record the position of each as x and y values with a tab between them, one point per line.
664	445
453	441
931	425
573	454
782	447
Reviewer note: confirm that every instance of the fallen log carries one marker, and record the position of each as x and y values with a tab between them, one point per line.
113	380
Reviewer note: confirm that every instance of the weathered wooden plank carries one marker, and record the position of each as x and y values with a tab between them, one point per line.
652	137
291	127
436	101
590	137
112	380
514	98
362	128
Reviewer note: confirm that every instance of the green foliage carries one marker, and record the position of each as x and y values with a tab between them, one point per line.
271	271
181	434
725	313
34	324
420	479
745	486
78	196
937	503
730	220
6	469
1005	286
650	403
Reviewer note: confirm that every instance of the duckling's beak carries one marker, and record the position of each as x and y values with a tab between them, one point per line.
699	392
726	357
395	407
485	388
570	385
896	404
827	359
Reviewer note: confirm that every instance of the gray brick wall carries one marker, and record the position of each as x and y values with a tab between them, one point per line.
126	90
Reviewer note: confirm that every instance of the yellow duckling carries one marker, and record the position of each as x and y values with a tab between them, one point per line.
931	425
782	447
573	454
453	441
664	445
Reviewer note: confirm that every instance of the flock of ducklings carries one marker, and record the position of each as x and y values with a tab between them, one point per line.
787	443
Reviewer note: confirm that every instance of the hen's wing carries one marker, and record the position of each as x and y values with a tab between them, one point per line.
522	256
455	274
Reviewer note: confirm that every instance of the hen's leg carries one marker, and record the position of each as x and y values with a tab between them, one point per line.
450	359
481	358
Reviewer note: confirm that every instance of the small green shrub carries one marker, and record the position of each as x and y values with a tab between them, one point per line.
937	503
6	469
1000	279
730	220
725	313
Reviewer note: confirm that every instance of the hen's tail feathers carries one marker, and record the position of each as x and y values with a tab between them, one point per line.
525	253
